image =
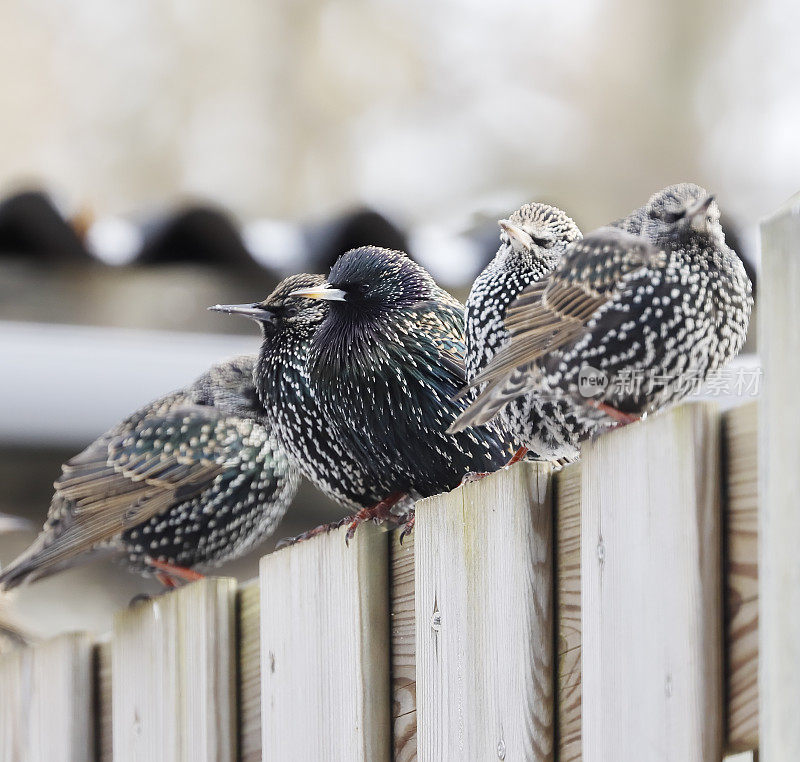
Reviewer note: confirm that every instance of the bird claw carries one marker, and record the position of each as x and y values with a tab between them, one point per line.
303	536
379	513
351	531
517	456
408	526
140	598
621	418
473	476
167	573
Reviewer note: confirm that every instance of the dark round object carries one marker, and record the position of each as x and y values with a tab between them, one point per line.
197	235
327	241
31	226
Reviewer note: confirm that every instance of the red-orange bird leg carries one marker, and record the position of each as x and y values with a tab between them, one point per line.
381	511
179	572
623	419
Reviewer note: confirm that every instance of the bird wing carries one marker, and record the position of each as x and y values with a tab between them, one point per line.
554	312
123	479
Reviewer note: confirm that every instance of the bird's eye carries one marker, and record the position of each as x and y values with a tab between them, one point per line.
290	312
667	215
542	240
363	288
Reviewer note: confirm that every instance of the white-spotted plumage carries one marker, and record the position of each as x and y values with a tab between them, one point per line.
360	388
195	478
653	305
531	243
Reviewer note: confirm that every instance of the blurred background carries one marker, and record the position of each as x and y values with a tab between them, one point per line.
161	156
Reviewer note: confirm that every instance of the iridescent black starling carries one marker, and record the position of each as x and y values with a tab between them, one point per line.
288	324
531	243
360	380
193	479
384	365
632	319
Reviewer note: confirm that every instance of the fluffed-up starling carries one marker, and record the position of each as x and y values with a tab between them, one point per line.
632	319
195	478
532	241
359	372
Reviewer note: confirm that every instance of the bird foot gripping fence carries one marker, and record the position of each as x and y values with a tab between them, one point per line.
608	611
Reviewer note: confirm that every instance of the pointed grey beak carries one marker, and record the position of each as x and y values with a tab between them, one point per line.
252	311
519	239
321	292
700	206
13	523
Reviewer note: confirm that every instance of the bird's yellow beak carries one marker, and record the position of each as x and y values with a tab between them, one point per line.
321	292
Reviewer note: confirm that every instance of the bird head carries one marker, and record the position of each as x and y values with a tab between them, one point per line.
283	309
539	226
371	279
681	211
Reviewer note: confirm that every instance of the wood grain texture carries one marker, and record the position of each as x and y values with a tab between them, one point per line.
248	616
325	649
404	653
740	515
484	620
651	603
567	500
174	667
779	517
46	695
103	726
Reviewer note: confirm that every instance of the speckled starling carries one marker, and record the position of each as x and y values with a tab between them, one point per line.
632	318
193	479
531	243
288	324
360	380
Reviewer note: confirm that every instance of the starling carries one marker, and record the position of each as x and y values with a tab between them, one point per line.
632	319
288	324
359	378
531	243
194	478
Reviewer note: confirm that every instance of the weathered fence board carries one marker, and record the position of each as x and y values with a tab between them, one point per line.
325	612
651	591
46	701
484	620
248	616
779	517
404	662
740	516
567	498
174	676
103	725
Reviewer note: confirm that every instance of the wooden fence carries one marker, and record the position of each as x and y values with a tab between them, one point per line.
609	611
465	642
